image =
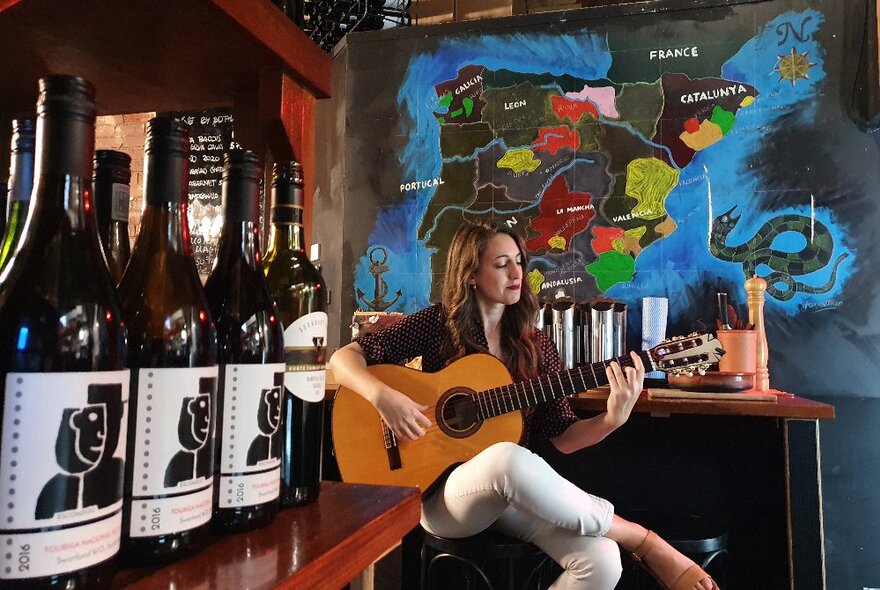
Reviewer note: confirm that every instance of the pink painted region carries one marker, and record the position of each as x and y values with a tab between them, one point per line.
563	214
551	139
604	98
604	238
572	109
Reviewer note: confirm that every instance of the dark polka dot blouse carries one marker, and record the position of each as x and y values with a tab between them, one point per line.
423	334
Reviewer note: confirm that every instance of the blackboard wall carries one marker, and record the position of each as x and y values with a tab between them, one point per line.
828	351
210	137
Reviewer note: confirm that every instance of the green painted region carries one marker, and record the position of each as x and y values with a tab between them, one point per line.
566	82
446	100
468	104
622	147
462	141
519	137
640	105
455	113
611	268
590	131
723	119
441	120
523	160
517	108
649	181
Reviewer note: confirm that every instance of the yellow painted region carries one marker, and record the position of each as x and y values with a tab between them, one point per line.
522	160
649	181
557	242
708	134
747	101
636	232
618	244
536	279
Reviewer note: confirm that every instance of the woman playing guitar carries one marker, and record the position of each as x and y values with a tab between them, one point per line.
487	308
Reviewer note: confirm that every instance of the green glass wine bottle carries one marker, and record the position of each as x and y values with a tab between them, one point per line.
301	296
21	180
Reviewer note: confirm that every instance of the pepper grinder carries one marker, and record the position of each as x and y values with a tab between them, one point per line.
755	288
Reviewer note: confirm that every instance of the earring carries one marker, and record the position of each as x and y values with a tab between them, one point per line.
474	286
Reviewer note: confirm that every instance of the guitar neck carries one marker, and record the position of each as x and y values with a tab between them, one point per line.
525	394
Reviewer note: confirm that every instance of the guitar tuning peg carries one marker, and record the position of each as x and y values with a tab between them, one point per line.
702	371
689	374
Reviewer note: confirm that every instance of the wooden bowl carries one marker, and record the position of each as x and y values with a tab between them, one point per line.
713	381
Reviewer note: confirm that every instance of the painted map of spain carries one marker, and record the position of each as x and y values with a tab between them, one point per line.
583	167
632	162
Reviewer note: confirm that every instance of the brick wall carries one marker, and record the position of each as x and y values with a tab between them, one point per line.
125	133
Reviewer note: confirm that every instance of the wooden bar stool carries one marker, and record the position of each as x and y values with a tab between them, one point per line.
487	560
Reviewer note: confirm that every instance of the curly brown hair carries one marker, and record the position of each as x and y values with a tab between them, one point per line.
519	352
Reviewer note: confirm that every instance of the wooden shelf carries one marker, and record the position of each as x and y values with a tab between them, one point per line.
325	544
153	55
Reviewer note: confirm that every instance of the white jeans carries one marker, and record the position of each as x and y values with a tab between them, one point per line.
517	493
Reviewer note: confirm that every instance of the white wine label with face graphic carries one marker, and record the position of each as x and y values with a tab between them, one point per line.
305	356
62	461
250	457
173	449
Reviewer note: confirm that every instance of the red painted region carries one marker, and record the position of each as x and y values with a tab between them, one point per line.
604	238
563	213
573	109
551	139
692	125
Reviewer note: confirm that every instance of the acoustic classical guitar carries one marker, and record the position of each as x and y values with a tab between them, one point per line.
473	404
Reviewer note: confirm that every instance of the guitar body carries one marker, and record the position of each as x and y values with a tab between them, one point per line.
360	440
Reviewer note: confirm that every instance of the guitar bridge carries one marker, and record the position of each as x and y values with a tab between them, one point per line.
391	448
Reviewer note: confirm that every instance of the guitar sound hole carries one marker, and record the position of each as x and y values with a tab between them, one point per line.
457	414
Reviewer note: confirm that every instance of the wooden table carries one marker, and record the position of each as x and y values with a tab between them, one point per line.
324	545
752	464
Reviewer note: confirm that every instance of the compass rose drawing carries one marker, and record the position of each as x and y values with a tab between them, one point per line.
794	66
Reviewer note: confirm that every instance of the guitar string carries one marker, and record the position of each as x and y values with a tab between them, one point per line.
488	397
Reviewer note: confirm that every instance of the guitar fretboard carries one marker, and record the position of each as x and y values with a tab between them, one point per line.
517	396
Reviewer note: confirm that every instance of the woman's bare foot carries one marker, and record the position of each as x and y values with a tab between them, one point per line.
664	561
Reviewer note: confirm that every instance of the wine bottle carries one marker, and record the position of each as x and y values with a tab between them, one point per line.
21	180
112	178
62	359
251	347
301	296
173	356
3	193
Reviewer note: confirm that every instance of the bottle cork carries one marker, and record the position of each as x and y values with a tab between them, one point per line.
755	288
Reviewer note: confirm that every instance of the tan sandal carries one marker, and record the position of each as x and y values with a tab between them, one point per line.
687	580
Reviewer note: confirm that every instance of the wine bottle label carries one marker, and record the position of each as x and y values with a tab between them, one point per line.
173	450
305	356
119	202
250	459
62	462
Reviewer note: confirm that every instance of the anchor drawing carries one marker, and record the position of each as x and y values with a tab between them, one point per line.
378	257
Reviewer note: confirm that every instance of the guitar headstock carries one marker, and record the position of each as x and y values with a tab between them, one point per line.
689	354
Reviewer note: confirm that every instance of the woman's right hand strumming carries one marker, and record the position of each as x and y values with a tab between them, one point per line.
403	416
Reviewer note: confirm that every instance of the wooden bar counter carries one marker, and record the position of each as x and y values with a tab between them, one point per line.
785	405
323	545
